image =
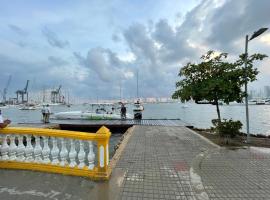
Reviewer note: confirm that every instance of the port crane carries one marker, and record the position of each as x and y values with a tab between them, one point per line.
55	95
22	93
4	93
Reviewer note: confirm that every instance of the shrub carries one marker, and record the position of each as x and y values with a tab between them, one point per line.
228	128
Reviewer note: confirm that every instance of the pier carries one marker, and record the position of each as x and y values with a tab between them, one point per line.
156	162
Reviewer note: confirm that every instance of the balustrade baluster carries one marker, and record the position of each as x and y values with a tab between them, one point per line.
37	150
91	156
63	152
55	152
81	155
20	149
5	148
72	154
46	151
29	149
12	148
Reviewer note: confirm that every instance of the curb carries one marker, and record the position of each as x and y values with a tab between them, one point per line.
204	138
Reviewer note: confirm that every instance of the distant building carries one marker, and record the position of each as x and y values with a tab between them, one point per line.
267	91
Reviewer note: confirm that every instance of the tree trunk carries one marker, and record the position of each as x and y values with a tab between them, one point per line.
218	112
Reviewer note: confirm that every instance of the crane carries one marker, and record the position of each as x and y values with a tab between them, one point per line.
6	89
22	93
55	95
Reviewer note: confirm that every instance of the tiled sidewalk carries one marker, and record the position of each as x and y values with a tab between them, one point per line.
157	162
174	163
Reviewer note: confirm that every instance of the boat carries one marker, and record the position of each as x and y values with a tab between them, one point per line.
138	109
28	106
102	111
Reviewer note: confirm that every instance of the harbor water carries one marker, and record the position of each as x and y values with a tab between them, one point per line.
197	115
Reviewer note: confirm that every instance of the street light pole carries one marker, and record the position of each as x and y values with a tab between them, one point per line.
254	35
246	91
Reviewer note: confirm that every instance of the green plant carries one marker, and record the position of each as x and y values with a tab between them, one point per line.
227	128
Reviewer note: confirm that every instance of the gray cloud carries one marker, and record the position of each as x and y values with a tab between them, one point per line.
116	38
53	39
17	30
57	61
104	63
235	19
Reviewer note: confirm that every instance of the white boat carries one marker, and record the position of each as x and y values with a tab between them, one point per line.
27	108
100	113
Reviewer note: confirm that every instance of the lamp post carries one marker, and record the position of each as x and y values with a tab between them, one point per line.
254	35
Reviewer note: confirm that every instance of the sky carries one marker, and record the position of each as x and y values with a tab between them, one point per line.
94	48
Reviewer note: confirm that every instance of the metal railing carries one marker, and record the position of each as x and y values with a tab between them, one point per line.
56	151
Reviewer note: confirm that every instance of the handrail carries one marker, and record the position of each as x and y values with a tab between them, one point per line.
47	150
104	133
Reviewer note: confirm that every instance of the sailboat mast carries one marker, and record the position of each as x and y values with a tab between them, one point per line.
120	90
137	84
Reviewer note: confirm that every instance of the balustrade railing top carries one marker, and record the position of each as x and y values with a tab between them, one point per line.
57	151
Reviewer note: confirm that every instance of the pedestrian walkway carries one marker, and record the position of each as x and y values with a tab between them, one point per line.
174	163
157	162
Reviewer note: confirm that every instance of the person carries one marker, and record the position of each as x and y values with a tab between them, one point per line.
3	123
43	110
47	113
123	111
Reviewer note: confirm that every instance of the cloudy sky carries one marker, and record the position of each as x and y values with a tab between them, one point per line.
93	47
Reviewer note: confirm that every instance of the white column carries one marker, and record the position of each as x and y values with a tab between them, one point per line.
5	148
101	156
37	150
46	151
72	154
91	156
63	153
107	151
55	152
29	149
20	149
81	155
12	148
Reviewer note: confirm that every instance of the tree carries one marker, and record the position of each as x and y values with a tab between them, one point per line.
215	79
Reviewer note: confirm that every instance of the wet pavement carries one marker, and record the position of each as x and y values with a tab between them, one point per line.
157	163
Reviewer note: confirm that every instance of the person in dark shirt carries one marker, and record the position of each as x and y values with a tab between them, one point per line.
123	111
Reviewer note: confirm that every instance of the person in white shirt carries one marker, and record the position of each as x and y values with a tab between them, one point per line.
3	123
47	114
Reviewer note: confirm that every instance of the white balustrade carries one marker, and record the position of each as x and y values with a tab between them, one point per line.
72	154
12	148
91	156
20	149
5	148
63	153
37	150
46	151
29	150
55	152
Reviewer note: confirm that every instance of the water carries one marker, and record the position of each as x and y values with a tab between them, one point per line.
197	115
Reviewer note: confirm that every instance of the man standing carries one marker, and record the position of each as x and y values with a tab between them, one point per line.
47	114
123	111
3	123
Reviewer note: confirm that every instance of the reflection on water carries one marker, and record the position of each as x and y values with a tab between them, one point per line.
197	115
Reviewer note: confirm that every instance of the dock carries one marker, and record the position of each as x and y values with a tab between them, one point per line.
156	162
